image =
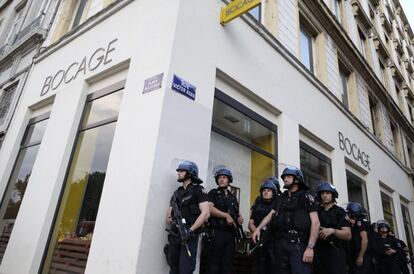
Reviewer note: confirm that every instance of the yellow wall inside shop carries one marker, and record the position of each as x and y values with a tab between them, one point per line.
262	166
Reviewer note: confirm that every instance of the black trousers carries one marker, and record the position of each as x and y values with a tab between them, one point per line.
289	258
222	252
403	265
330	259
388	265
180	261
266	258
367	266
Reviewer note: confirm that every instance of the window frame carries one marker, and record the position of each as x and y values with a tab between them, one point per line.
303	31
224	98
307	148
352	176
337	10
117	86
23	146
78	13
386	196
410	237
373	109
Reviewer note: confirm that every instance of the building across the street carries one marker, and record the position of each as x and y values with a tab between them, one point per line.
105	98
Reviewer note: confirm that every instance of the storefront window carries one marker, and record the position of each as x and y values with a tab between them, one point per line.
315	166
388	209
74	226
19	178
357	191
244	142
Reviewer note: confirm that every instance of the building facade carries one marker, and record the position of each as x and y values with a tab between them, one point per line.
121	91
23	28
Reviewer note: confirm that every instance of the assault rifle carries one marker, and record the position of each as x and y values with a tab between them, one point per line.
240	236
180	223
265	233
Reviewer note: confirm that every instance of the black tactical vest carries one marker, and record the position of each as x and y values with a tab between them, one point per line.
332	218
260	210
225	203
291	213
188	204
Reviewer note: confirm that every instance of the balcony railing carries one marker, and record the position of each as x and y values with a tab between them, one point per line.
17	39
28	29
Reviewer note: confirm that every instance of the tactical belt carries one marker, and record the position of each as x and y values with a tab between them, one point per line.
292	236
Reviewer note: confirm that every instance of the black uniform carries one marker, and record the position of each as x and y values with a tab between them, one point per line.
188	202
402	257
222	249
291	225
265	254
386	264
330	253
367	267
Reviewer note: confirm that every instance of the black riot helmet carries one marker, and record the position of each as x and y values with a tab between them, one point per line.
192	170
383	223
354	209
328	187
297	174
271	183
223	172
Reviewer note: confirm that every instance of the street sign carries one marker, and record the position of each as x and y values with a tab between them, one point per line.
183	87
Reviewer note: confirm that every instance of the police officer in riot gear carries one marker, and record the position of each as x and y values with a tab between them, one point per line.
386	249
403	256
360	254
295	225
193	205
224	210
264	253
334	230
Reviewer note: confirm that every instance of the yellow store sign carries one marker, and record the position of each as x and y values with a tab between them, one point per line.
235	9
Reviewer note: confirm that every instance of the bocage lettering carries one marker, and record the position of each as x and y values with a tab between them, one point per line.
99	57
237	6
353	150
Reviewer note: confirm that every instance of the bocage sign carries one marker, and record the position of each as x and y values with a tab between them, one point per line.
236	8
353	150
100	57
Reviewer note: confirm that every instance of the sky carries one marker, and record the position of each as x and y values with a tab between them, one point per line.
408	7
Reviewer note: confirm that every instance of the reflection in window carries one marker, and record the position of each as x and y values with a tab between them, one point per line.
74	226
374	111
306	55
344	88
80	13
337	9
388	209
362	41
357	191
315	166
256	12
19	180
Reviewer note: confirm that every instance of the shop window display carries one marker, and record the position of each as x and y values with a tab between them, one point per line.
73	230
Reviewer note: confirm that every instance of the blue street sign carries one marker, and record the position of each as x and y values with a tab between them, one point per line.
183	87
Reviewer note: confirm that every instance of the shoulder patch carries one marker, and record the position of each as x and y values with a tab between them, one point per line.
310	198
